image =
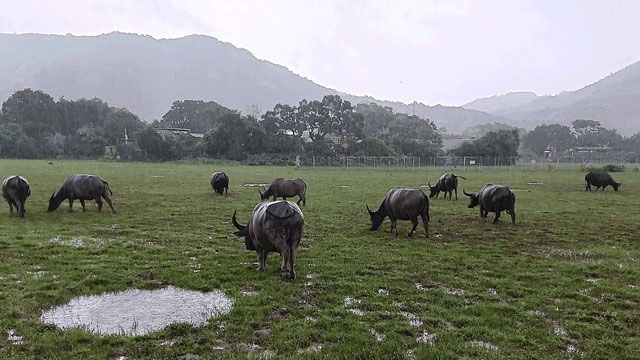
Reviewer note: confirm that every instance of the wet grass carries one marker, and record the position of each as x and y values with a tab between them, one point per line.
564	282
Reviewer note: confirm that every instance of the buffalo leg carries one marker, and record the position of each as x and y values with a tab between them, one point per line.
597	188
108	200
262	259
482	213
20	206
226	191
10	207
99	202
603	186
587	187
456	190
414	221
82	203
286	257
425	223
513	217
497	217
70	205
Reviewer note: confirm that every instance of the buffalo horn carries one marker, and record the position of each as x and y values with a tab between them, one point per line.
235	222
369	210
466	193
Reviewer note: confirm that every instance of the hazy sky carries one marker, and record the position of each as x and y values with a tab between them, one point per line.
446	52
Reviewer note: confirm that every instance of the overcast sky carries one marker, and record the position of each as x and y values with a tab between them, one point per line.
437	52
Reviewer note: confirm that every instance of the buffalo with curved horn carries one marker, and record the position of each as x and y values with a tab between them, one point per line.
402	204
447	183
273	226
285	188
220	183
494	198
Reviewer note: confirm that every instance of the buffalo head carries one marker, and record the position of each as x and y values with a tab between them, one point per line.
376	218
263	195
243	231
434	190
54	203
473	197
616	185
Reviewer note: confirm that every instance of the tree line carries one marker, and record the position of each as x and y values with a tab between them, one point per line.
34	125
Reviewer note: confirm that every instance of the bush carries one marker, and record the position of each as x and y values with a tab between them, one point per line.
607	168
270	159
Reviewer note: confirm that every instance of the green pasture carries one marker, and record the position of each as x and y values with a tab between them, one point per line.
563	282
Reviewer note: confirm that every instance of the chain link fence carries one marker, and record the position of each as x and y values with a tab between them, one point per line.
463	162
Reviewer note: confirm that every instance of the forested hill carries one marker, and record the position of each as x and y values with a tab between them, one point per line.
145	75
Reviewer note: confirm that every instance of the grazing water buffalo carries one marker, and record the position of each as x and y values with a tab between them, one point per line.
15	190
402	204
220	182
447	183
274	226
600	179
82	187
494	198
285	188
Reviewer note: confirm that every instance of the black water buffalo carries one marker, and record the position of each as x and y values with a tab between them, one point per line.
15	190
447	184
600	179
82	187
274	226
494	198
402	204
220	182
285	188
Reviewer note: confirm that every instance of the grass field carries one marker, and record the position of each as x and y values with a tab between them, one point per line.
563	282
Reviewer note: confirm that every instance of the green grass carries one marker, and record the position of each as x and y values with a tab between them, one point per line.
572	262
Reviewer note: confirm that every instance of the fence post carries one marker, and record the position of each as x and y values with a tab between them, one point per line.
314	162
347	162
413	163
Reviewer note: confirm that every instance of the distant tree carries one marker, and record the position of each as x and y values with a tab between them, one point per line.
371	147
412	135
375	119
36	112
14	143
554	137
198	116
283	119
503	143
482	129
235	137
153	146
590	133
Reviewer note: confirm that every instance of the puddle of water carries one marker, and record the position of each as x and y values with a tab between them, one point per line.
482	344
357	312
312	348
448	291
14	338
426	338
382	291
255	185
571	349
137	312
419	286
349	300
377	335
534	183
414	320
310	275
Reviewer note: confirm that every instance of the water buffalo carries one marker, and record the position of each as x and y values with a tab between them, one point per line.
402	204
273	226
447	184
82	187
600	179
15	190
220	182
285	188
494	198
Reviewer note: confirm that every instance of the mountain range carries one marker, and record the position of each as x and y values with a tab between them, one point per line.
146	75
